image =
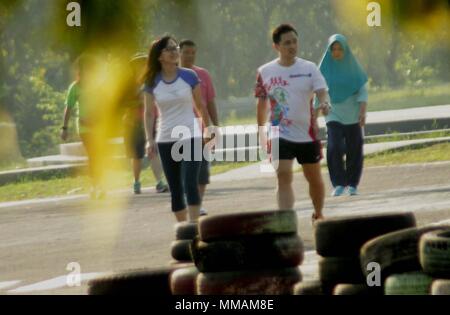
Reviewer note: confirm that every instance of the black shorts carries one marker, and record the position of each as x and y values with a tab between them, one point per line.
304	152
134	139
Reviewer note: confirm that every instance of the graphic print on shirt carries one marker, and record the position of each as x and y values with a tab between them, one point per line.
279	109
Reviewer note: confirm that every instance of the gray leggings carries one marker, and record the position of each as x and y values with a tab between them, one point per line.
182	176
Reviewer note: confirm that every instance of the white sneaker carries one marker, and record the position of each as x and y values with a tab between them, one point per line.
203	212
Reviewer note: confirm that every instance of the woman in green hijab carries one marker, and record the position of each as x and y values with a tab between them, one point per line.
347	89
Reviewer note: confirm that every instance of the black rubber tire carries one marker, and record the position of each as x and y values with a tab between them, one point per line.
356	289
440	287
341	270
434	253
344	236
409	283
228	226
183	281
312	288
395	252
249	253
149	282
186	230
261	282
181	250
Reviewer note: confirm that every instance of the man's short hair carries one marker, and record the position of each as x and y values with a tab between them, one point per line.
280	30
187	42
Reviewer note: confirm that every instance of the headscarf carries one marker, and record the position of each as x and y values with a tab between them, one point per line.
344	77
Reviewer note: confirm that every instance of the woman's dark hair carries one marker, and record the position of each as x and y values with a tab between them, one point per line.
153	64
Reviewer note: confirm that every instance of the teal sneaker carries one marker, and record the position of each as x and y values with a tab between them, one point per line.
161	187
352	191
338	191
137	188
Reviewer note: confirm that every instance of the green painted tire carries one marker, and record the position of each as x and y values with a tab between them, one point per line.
434	253
410	283
395	252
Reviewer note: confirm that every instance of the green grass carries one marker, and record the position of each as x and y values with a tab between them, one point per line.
243	111
421	154
409	97
63	186
397	137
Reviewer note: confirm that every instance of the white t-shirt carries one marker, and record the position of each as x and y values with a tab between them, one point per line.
290	91
176	106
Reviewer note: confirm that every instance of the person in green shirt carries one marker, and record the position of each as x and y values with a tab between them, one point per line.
346	81
80	100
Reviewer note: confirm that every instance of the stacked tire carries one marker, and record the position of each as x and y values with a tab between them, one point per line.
434	257
248	253
185	233
410	259
339	241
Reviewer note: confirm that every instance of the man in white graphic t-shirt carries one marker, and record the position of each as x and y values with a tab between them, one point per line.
288	84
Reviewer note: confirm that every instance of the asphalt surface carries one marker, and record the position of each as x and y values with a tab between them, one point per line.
38	240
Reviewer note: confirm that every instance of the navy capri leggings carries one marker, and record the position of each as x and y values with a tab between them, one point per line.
181	163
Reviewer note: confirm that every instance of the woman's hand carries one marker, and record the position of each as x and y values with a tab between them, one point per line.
325	108
362	118
151	149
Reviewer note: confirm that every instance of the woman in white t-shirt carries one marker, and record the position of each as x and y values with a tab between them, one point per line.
176	92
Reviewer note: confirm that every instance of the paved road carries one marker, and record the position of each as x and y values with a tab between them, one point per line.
39	239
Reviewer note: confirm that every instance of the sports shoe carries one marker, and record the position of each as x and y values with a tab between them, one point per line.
203	211
338	191
137	188
161	187
352	191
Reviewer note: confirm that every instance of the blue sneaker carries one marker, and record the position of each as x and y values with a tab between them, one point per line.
352	191
338	191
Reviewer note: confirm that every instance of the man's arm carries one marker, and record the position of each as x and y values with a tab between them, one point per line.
212	111
65	126
324	101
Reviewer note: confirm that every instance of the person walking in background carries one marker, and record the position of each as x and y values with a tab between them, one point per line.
82	99
134	131
288	84
346	81
188	51
175	92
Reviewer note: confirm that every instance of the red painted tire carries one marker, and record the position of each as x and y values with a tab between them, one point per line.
264	282
226	226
